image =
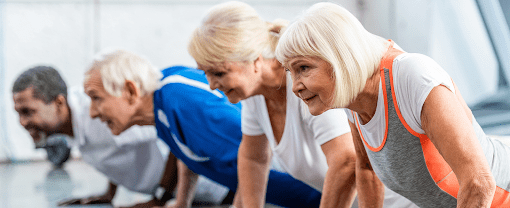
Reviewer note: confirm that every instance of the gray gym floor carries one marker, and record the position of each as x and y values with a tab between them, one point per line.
38	185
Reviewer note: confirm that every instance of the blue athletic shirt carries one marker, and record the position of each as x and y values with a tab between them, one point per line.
203	129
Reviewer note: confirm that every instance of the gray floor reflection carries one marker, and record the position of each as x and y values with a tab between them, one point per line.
56	186
5	176
39	185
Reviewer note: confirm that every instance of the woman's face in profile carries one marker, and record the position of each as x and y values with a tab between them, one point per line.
313	82
233	78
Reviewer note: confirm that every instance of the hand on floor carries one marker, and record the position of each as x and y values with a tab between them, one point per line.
88	200
149	204
173	205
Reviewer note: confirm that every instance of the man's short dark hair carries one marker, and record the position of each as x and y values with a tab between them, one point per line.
46	82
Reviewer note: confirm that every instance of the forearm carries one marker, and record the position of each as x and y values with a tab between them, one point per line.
370	188
340	183
169	178
186	185
253	176
477	192
339	186
253	160
447	121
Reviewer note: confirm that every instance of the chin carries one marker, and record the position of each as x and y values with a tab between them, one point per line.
315	111
233	99
116	130
117	133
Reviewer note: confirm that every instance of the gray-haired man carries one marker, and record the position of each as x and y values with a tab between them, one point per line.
133	159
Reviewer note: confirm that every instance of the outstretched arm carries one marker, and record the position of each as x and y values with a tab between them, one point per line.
186	186
446	120
340	182
169	178
254	159
370	188
168	181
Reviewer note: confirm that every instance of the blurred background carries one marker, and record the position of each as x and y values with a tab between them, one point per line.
470	39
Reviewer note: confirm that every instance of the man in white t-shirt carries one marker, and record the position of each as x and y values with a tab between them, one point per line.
133	159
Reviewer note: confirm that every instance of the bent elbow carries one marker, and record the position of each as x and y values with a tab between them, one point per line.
347	163
485	184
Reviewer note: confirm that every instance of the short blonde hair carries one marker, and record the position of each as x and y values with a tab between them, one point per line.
117	66
233	31
330	32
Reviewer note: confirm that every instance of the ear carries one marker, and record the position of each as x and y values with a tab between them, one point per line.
61	105
258	63
131	91
61	102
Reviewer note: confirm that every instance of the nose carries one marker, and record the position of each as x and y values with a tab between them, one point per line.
94	113
297	86
23	120
213	83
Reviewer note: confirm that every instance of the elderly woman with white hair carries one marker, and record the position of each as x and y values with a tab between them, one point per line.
235	49
202	129
412	129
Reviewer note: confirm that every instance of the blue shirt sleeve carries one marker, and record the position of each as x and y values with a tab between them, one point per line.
200	126
206	124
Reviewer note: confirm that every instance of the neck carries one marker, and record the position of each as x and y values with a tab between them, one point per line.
365	103
274	83
67	126
145	113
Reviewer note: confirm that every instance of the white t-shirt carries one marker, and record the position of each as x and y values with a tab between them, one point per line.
131	159
414	76
134	159
299	151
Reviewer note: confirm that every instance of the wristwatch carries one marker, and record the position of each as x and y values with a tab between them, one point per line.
162	195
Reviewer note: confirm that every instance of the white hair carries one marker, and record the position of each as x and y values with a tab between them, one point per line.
330	32
233	31
117	66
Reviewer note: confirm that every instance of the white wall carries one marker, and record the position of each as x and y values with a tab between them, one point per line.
463	47
67	33
4	145
451	32
48	33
